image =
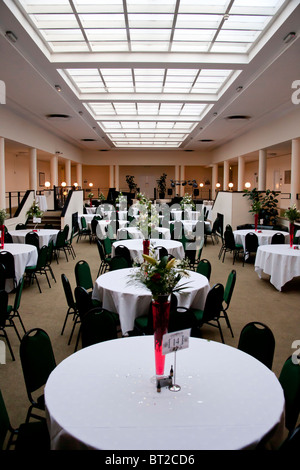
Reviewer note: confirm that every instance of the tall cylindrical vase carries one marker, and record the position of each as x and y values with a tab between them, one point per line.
161	312
91	201
255	221
2	233
146	245
292	227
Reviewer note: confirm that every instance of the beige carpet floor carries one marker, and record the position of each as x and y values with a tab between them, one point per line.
253	299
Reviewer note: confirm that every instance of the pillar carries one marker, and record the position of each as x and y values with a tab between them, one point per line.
262	170
68	172
226	175
182	177
33	170
79	175
117	178
54	170
214	180
2	174
111	176
295	169
241	173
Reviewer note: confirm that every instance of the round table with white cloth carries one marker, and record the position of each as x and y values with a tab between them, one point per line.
42	202
102	398
119	293
280	262
45	236
24	255
91	210
264	236
135	247
135	232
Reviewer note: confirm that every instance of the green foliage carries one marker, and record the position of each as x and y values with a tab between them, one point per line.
131	184
161	183
3	216
264	204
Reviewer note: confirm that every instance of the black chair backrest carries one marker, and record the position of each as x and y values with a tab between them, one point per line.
2	277
83	274
68	291
8	238
7	259
213	303
257	340
97	326
32	238
100	249
20	226
37	359
229	286
229	239
204	268
83	301
162	251
3	307
251	241
289	379
94	224
118	262
278	239
122	250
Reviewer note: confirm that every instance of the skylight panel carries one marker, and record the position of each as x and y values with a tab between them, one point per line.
198	21
150	21
148	46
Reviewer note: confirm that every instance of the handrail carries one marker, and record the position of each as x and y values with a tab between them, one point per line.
20	203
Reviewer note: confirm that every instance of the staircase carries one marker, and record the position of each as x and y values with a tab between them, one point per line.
49	217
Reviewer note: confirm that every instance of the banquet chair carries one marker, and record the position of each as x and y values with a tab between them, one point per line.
210	315
5	322
48	266
251	245
104	266
97	325
106	242
21	226
27	437
60	245
2	277
278	239
83	275
8	238
208	232
122	250
204	268
162	251
181	318
13	310
292	441
69	244
32	238
84	231
258	340
8	261
190	256
48	226
229	287
84	303
289	379
123	234
72	307
231	246
118	262
93	234
177	232
37	361
143	325
40	268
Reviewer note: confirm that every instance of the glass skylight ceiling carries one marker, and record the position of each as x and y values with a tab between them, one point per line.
135	106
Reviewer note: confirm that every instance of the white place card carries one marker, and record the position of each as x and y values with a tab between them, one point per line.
36	220
176	341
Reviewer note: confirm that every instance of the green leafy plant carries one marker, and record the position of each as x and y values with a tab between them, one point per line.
90	195
187	202
131	184
101	197
264	204
35	211
292	213
161	184
3	216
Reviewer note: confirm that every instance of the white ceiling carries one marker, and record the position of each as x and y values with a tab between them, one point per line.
190	91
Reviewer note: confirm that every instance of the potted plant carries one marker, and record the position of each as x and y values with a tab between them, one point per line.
131	184
90	196
263	205
35	212
3	216
292	214
162	186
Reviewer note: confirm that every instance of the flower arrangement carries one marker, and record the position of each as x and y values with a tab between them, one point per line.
161	277
187	202
101	197
292	213
148	217
90	195
35	211
3	216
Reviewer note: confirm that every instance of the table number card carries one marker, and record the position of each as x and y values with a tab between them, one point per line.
176	341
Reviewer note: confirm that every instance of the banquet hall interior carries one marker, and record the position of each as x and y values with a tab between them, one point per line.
168	99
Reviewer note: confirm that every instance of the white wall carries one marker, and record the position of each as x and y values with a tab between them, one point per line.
234	207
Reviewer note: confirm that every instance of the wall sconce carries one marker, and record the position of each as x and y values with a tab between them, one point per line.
47	184
91	185
75	185
201	185
218	185
230	185
63	184
247	185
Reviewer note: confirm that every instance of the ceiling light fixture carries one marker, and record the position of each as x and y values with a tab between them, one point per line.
11	36
57	88
239	88
289	37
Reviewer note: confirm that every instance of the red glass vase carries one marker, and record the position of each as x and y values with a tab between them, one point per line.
292	227
161	313
255	221
146	245
91	202
2	233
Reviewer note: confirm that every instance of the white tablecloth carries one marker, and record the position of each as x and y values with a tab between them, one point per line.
134	232
130	300
102	397
264	236
45	236
135	247
88	219
24	255
281	262
42	202
91	210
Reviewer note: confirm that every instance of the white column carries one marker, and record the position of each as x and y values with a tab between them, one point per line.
68	172
262	170
2	174
117	178
33	170
54	170
79	175
111	176
214	180
295	169
226	175
241	173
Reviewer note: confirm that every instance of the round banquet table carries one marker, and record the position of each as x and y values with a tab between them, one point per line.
45	236
135	247
102	397
280	262
24	255
134	232
120	294
264	236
